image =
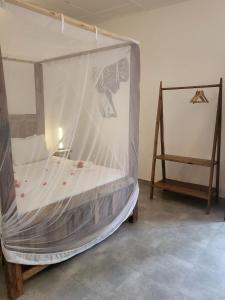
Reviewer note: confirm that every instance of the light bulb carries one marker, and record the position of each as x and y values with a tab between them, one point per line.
60	137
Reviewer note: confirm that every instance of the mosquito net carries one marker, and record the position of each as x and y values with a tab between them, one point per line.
69	100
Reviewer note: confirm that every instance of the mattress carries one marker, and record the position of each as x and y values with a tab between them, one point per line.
45	182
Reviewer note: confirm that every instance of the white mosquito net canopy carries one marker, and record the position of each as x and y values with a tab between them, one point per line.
69	108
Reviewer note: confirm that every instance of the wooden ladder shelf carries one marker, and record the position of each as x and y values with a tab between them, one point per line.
199	191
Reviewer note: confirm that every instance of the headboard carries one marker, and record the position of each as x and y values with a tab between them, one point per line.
22	126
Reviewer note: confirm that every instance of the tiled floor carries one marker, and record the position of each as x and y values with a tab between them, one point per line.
174	252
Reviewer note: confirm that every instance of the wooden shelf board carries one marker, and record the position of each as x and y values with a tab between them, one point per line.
190	189
186	160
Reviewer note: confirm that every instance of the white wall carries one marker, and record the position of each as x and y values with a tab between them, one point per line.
20	87
181	45
73	103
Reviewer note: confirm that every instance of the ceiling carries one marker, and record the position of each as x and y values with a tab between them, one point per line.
97	11
34	37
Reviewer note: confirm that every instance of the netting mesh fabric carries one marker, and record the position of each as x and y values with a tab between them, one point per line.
69	137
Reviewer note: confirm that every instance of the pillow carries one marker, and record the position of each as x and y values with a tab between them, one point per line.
28	150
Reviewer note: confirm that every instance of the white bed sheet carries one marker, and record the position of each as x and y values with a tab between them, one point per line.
45	182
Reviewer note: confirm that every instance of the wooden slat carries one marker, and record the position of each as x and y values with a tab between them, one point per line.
215	145
190	189
7	188
157	127
185	160
39	93
87	52
33	271
18	60
162	139
22	126
219	141
190	87
13	272
57	16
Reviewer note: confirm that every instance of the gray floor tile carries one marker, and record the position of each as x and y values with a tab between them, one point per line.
174	252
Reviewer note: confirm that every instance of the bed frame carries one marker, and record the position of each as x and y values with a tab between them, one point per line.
26	125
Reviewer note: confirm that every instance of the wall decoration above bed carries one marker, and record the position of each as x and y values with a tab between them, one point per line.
56	206
109	83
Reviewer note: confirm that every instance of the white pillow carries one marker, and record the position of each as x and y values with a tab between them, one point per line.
28	150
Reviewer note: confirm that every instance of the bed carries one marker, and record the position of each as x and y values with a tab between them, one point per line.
81	202
84	200
54	208
70	182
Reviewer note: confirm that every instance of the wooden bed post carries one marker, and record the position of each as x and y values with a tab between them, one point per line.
14	280
134	118
13	272
39	93
134	217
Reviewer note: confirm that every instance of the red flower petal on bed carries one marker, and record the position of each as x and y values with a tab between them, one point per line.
80	164
22	195
17	184
64	182
44	183
72	173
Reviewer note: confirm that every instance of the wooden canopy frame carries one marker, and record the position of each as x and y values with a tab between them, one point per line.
194	190
82	25
57	16
17	274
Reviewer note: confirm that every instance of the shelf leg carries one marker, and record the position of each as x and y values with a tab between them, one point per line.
219	141
151	190
208	208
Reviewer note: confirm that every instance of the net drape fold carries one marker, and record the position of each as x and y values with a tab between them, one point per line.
68	173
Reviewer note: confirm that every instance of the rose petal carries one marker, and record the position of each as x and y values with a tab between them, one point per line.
22	195
44	183
80	164
17	183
